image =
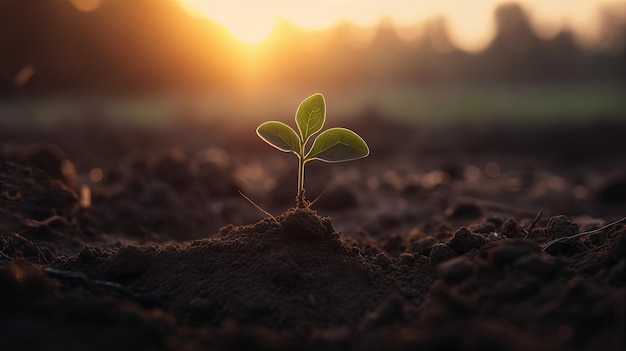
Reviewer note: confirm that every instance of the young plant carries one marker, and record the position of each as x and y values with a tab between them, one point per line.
332	145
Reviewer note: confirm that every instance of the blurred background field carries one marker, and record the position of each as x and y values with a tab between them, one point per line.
159	62
145	110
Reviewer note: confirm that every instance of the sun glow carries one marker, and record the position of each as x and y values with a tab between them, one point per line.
250	24
470	22
252	33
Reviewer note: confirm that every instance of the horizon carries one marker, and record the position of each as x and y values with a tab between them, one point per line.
471	26
148	48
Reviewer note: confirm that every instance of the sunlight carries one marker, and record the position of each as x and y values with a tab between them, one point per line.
470	22
252	32
250	24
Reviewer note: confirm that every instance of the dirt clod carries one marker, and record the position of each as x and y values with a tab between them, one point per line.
465	240
559	227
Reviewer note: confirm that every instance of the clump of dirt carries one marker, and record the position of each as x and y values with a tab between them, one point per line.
294	271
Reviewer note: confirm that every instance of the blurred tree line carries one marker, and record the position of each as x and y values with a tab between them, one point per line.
143	46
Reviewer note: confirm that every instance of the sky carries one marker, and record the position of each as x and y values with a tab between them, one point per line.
470	22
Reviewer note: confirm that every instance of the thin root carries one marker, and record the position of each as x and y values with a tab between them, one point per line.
317	198
100	286
258	207
550	243
37	224
40	254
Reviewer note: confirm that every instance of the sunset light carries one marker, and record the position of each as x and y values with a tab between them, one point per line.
470	22
250	22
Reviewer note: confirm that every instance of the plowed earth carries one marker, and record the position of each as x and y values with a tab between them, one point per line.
450	239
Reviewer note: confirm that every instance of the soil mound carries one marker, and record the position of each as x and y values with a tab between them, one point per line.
293	271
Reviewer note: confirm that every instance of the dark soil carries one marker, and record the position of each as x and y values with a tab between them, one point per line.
452	239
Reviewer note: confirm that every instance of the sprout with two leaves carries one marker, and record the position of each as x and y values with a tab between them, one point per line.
332	145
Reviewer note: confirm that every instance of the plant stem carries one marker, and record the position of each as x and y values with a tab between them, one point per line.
300	201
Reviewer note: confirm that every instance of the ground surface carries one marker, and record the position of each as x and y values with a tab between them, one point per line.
132	239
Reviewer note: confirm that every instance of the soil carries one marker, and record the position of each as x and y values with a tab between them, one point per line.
128	238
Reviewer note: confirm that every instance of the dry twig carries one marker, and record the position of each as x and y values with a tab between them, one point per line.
533	224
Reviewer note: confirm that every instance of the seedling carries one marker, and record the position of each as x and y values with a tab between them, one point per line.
332	145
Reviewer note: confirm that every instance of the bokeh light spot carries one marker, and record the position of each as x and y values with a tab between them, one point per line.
96	175
67	168
85	196
492	169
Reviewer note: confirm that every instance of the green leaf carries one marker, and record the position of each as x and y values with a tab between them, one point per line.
280	136
336	145
310	116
